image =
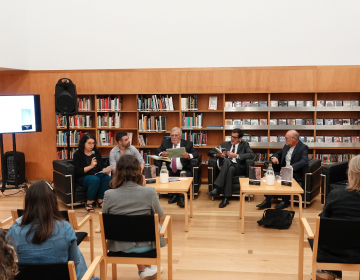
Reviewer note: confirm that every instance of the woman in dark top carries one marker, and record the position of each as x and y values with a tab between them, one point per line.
343	203
87	161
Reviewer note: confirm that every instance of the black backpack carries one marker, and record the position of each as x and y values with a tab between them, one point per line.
275	218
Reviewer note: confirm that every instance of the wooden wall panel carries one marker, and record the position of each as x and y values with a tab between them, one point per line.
40	148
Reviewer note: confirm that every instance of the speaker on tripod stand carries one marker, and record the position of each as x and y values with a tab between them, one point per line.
9	168
65	97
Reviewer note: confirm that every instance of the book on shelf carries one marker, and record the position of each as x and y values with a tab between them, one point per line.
329	103
254	104
331	158
237	104
291	103
254	122
299	121
337	139
215	127
338	103
263	121
290	121
254	139
246	103
74	135
320	139
228	104
155	103
236	122
354	139
110	120
198	138
274	103
110	103
347	103
189	103
346	139
246	122
302	138
309	121
338	121
145	155
281	138
309	103
354	102
213	102
283	103
62	154
282	121
273	139
84	104
228	122
355	121
152	123
80	121
273	122
319	121
228	138
263	138
245	138
300	103
106	138
329	122
328	139
143	140
260	157
346	122
263	103
195	121
320	103
61	121
309	139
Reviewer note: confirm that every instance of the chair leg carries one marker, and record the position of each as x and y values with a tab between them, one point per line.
114	272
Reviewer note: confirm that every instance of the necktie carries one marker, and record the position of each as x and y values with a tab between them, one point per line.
233	149
173	163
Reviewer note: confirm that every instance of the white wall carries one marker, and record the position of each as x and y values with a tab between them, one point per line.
14	42
121	34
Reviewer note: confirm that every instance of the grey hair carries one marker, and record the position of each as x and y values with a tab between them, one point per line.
176	128
294	134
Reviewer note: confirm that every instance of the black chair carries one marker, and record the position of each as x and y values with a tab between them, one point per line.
69	192
334	177
70	216
196	170
213	172
339	236
58	271
136	229
311	180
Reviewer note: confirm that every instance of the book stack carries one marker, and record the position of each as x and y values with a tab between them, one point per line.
149	123
331	158
198	138
195	121
61	121
155	103
143	140
109	120
79	121
106	138
62	154
84	104
189	103
109	103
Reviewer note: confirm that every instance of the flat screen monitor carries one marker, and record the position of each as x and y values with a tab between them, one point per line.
20	113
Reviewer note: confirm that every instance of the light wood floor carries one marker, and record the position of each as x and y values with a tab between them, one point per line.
214	248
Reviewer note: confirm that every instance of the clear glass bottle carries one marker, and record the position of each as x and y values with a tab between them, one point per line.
164	174
270	175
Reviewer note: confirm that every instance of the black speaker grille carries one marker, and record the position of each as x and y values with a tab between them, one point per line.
65	103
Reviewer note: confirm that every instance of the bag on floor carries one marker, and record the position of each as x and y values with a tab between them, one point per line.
276	218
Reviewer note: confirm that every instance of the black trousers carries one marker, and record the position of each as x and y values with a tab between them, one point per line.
229	169
177	174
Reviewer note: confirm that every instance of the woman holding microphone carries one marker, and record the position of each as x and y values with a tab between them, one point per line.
87	161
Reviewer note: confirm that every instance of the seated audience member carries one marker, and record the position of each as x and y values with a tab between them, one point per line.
177	164
343	203
8	267
231	163
294	154
124	148
41	235
87	161
129	196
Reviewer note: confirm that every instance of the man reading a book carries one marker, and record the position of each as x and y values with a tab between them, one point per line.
124	148
231	157
294	154
177	164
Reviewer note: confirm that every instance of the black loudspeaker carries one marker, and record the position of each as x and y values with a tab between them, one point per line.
9	166
65	97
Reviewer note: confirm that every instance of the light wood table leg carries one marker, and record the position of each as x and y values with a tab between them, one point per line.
186	212
191	202
292	202
243	213
240	204
300	206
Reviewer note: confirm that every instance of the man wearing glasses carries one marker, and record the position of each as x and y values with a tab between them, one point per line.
231	162
177	164
295	155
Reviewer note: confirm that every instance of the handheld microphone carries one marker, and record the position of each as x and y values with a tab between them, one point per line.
93	153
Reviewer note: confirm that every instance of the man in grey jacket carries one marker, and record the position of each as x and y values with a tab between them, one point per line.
231	162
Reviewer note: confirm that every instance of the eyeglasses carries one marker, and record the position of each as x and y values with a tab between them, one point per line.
174	135
91	144
234	137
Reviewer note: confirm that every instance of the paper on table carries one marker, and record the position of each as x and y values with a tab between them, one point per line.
160	158
176	153
107	169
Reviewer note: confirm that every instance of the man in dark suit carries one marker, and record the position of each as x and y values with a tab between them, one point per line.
177	164
295	155
231	162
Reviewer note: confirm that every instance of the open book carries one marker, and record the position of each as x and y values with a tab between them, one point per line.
220	150
107	169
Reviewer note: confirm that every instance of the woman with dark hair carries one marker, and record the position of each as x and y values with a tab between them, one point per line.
87	161
8	267
129	196
41	235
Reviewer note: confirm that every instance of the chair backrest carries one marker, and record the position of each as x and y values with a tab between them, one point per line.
314	180
339	234
129	228
53	271
63	213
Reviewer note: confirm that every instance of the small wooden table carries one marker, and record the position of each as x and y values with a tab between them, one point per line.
181	186
276	189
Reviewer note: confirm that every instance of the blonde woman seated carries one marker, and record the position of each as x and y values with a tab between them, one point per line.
128	195
342	203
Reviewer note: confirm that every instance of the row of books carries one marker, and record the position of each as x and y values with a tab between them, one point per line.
155	103
61	137
189	103
62	154
143	140
145	155
151	123
292	122
110	120
110	103
292	103
196	121
304	139
331	158
198	138
106	138
77	121
260	157
84	104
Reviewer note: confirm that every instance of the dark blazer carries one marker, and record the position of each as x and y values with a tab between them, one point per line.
299	159
166	144
79	161
243	151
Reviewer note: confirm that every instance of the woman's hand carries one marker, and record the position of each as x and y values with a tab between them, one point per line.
93	162
144	181
107	173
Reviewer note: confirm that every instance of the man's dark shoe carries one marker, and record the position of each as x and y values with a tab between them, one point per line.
224	203
173	199
281	205
181	202
264	204
214	193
